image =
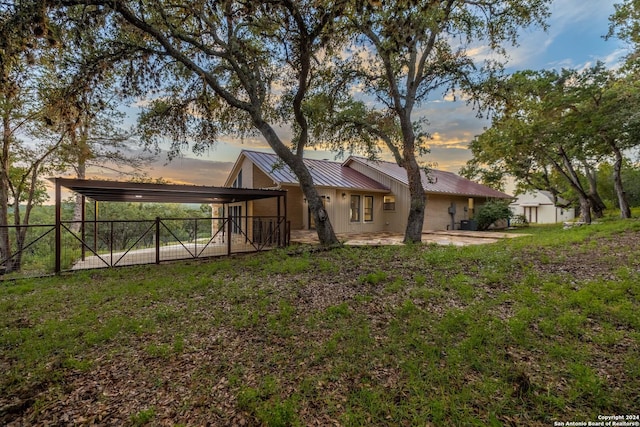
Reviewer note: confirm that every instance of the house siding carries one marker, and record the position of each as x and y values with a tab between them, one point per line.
363	180
260	180
396	220
267	207
436	216
544	214
341	213
331	205
295	207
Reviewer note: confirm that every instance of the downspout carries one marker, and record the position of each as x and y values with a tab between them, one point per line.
286	223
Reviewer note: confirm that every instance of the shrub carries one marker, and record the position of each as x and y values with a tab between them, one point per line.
519	221
492	211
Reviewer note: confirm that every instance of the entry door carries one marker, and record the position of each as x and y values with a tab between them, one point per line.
531	213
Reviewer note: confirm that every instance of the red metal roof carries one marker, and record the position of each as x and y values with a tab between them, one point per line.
325	173
437	181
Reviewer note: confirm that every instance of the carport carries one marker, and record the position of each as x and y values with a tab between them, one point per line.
116	191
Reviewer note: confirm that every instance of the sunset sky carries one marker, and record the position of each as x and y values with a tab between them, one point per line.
574	40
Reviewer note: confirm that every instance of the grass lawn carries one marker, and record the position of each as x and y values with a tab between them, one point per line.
527	331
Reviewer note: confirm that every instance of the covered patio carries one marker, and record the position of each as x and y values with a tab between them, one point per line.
229	233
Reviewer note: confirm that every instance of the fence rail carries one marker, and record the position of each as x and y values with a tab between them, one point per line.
37	250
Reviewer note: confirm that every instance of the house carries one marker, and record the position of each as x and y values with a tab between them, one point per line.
539	207
359	195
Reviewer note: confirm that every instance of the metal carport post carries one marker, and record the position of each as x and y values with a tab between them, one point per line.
58	248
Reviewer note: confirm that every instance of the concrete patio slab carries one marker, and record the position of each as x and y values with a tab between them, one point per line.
456	238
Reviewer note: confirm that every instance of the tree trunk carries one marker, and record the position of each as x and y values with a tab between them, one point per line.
585	209
572	177
623	203
597	205
5	247
326	235
4	231
19	235
21	232
415	220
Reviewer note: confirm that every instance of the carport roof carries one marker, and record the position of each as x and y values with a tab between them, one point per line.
117	191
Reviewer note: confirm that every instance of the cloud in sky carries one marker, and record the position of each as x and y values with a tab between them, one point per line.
574	37
188	170
183	170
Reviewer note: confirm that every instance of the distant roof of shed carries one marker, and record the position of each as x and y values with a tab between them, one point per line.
118	191
325	173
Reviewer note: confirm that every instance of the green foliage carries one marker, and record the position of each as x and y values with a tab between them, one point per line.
31	136
216	77
520	331
630	179
519	221
143	417
266	405
625	24
374	278
553	128
492	211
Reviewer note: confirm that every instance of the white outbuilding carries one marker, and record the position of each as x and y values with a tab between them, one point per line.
539	207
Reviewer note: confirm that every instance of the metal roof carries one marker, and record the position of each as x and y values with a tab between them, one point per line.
116	191
436	182
325	173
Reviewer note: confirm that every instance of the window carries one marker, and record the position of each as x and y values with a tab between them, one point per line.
389	203
368	208
235	215
238	182
355	209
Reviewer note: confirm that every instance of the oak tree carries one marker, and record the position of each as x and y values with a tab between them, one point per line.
215	69
26	49
410	51
568	122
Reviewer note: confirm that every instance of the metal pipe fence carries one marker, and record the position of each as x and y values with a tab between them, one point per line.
79	245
